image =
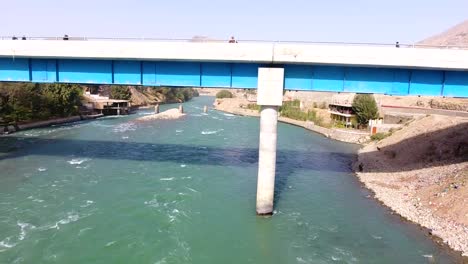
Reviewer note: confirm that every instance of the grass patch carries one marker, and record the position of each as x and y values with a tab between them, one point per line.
291	109
379	136
255	107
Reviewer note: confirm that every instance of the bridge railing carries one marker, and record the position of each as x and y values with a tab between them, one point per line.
399	45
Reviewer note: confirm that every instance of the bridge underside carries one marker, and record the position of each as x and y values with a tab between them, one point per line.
390	81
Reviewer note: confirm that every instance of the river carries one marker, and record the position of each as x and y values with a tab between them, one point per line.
114	190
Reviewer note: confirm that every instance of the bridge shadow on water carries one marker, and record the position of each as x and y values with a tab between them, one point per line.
288	161
441	147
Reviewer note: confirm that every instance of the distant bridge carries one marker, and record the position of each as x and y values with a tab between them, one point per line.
334	67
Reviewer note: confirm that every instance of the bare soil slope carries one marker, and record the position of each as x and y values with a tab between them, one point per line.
455	36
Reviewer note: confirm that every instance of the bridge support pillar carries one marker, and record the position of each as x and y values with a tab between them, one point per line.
269	97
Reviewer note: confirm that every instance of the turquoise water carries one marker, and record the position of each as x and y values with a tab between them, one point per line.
115	190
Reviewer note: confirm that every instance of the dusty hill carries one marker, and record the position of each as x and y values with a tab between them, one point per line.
421	172
455	36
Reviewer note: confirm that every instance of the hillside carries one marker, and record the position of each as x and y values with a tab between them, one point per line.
455	36
143	96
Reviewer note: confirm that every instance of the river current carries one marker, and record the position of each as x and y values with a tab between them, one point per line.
115	190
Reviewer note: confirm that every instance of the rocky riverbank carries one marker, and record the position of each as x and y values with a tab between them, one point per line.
421	172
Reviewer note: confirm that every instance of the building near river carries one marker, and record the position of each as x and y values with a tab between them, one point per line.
341	110
106	106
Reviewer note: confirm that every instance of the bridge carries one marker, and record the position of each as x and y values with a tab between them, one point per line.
268	67
307	67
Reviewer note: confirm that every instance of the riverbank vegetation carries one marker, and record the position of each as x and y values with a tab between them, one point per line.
365	107
29	102
291	109
24	102
224	94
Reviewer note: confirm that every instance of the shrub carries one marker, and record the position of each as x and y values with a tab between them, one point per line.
291	109
224	94
323	105
379	136
365	107
253	107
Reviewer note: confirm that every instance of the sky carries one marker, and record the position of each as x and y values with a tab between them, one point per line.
371	21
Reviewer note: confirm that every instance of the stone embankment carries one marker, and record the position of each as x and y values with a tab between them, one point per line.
46	123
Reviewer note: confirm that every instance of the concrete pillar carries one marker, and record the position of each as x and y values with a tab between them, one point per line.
181	109
156	109
269	97
267	159
205	109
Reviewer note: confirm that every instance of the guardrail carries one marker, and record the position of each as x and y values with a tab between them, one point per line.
398	45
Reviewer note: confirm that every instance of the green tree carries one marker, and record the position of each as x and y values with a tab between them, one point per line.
365	107
120	92
61	99
27	101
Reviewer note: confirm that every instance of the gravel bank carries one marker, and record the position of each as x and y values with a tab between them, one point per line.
421	172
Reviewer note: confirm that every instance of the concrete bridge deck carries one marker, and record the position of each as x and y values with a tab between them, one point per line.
307	67
264	53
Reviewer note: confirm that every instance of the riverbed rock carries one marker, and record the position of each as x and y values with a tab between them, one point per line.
173	113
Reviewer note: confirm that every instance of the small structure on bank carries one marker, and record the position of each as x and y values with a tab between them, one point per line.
113	107
106	106
341	109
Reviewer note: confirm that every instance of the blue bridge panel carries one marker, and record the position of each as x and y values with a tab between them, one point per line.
425	82
456	84
328	78
236	75
127	72
216	75
244	75
149	73
44	70
85	71
178	73
401	81
298	77
368	80
16	70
